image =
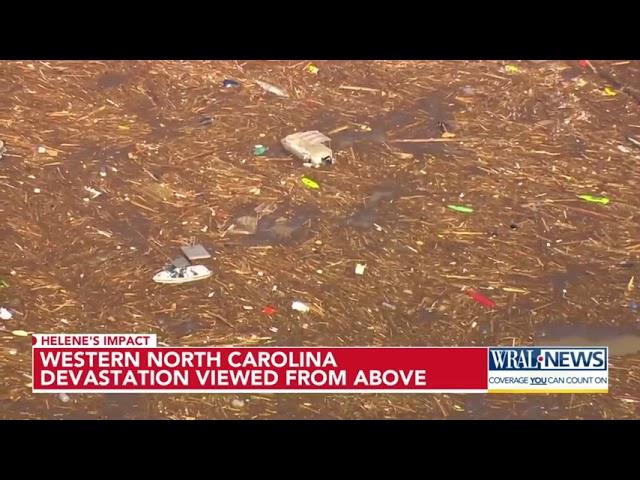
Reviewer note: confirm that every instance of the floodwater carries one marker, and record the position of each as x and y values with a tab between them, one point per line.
619	343
170	152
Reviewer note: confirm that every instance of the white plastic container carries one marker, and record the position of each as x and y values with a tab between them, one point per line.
310	147
300	306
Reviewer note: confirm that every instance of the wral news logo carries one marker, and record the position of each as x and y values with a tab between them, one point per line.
548	370
548	358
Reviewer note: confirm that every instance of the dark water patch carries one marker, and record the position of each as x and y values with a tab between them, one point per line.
126	406
287	225
181	328
363	219
349	138
619	342
573	275
111	80
426	316
571	73
387	191
130	228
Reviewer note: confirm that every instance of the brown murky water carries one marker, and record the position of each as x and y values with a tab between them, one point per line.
170	151
619	343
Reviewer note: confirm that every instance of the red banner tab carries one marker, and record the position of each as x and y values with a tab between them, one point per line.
286	369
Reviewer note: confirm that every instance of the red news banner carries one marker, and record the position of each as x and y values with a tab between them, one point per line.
133	363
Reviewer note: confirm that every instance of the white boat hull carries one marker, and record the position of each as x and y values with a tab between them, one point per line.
193	273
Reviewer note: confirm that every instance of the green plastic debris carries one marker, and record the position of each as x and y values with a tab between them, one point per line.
259	150
3	283
309	183
460	208
594	199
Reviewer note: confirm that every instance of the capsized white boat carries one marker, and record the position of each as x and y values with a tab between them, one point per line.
192	273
